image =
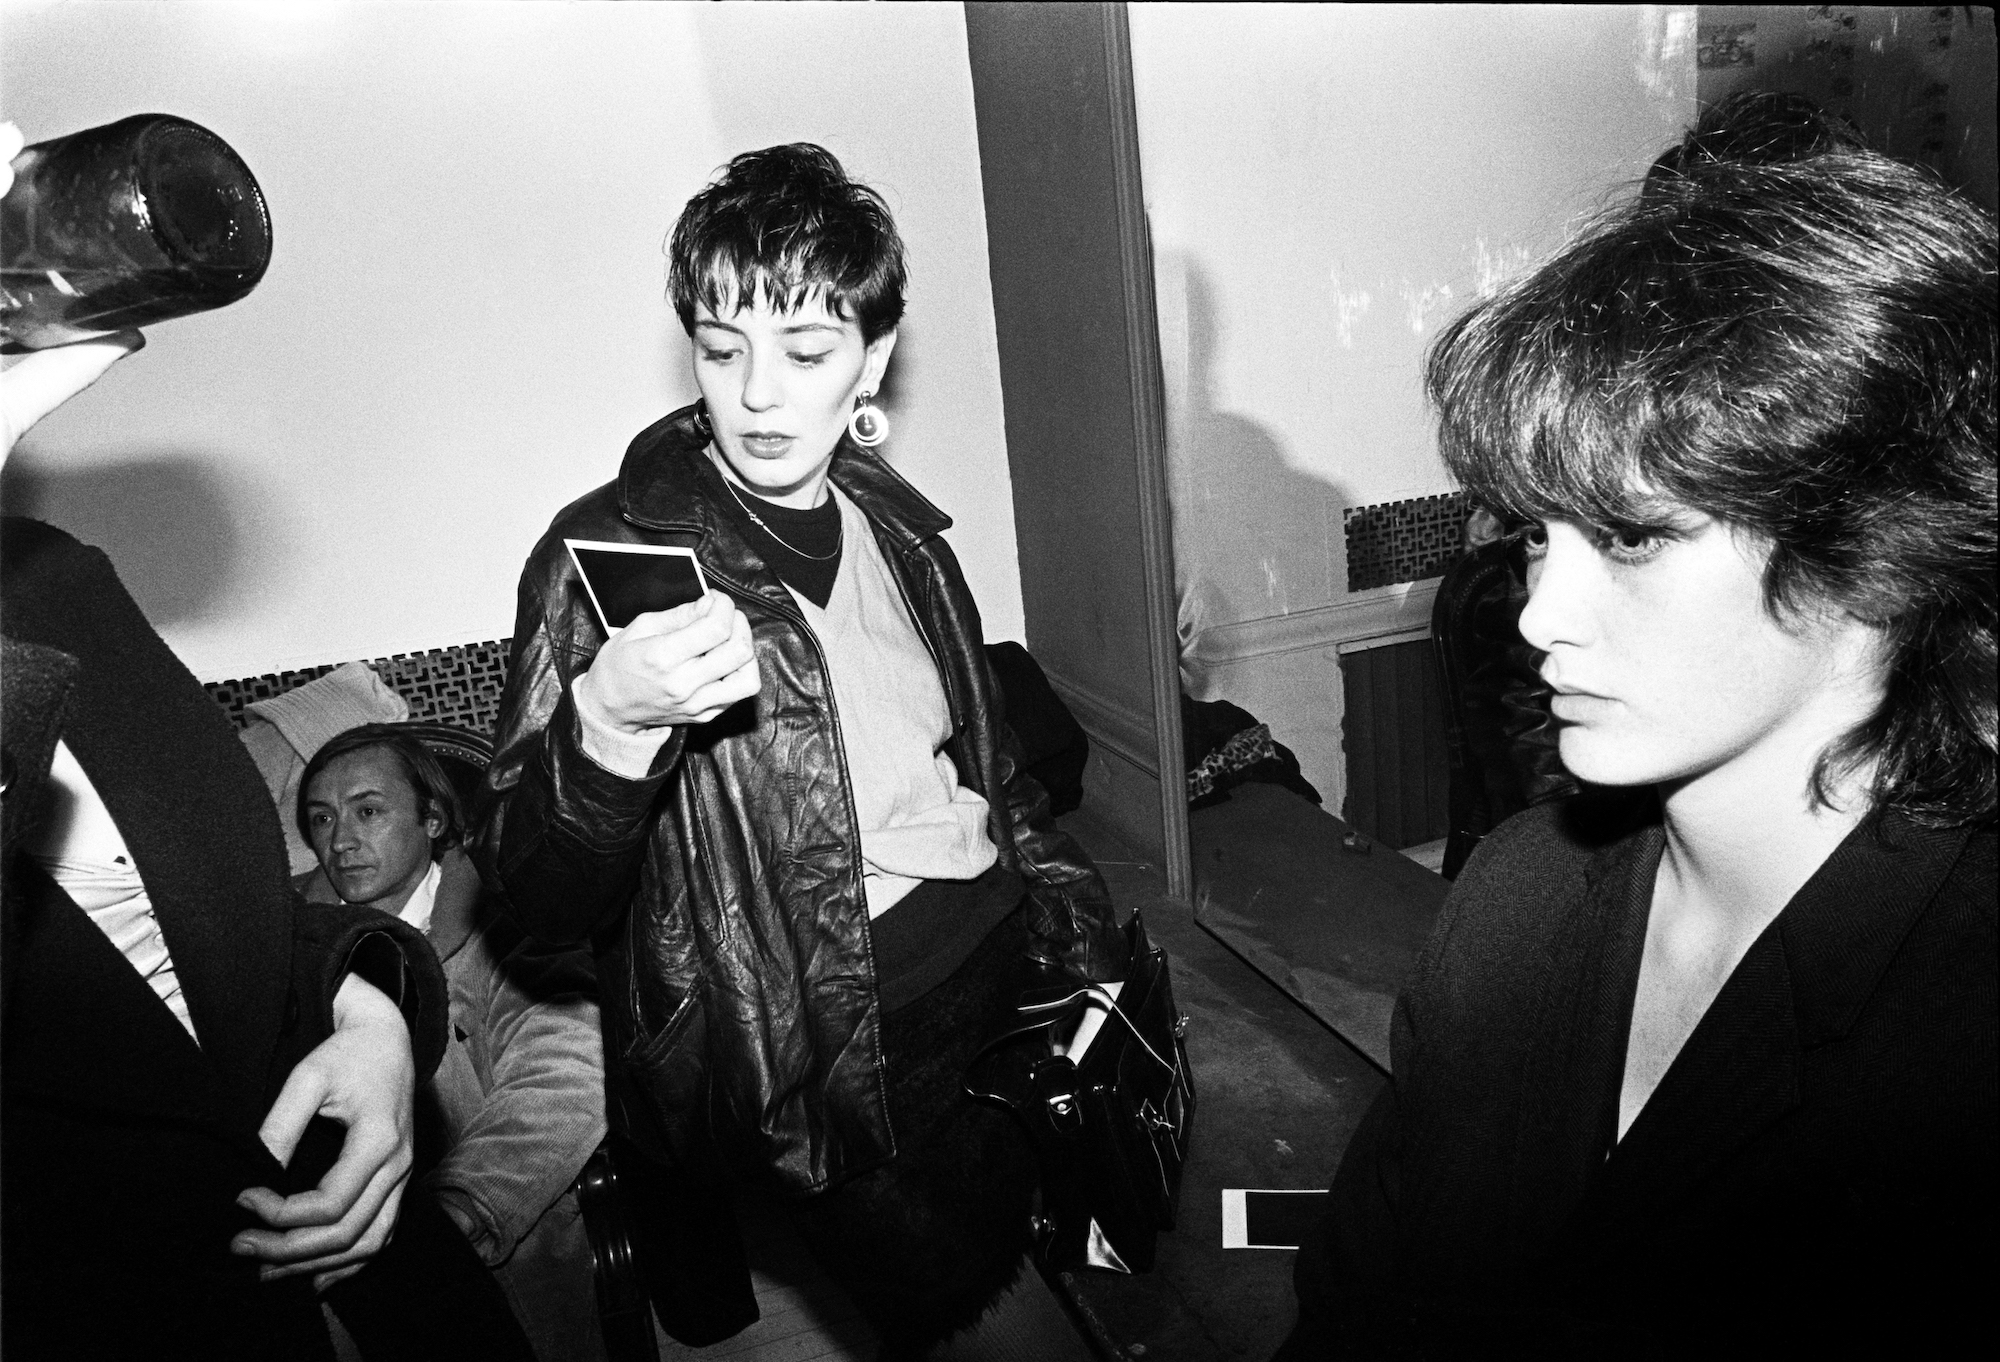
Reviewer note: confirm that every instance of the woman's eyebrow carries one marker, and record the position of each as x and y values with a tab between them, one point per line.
1658	512
809	326
1644	506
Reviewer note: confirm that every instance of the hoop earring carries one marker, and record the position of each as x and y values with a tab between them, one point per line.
701	424
869	425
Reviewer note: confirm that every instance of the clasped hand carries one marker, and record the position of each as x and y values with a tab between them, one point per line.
679	666
362	1076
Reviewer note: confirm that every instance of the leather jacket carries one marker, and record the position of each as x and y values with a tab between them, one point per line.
738	991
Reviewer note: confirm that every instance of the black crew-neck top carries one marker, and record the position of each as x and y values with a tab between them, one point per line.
802	547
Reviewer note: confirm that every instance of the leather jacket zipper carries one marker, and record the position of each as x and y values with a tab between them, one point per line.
797	618
792	615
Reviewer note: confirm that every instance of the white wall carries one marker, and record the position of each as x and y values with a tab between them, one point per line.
464	324
1327	185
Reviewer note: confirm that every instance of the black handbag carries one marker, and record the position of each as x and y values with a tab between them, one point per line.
1111	1132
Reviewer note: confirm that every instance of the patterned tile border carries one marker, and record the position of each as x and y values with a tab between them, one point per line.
457	685
1403	541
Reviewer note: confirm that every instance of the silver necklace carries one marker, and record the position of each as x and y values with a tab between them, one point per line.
839	534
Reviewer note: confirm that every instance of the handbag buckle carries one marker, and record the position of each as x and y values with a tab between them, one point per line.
1055	1081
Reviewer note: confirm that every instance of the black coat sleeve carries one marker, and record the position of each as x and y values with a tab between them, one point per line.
332	940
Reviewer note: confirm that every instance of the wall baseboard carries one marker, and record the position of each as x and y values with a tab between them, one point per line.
1382	614
1112	724
1126	799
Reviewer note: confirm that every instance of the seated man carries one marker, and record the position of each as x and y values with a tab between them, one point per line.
517	1104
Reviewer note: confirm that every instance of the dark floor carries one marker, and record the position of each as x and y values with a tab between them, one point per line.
804	1317
1279	1094
1333	919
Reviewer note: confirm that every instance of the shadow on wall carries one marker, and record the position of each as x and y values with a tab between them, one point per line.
167	511
1254	537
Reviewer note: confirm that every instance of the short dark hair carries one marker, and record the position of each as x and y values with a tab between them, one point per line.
785	224
436	796
1805	350
1755	127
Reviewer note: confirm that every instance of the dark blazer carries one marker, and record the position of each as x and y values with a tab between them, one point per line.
125	1143
1814	1174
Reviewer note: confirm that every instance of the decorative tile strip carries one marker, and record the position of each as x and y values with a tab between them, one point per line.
457	685
1403	541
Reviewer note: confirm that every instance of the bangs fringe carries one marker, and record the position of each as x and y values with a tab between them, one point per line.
730	281
1528	430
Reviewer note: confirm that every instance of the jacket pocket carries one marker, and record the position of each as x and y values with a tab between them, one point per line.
645	1051
666	1072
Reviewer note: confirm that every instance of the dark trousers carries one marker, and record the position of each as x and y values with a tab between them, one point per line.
427	1297
926	1242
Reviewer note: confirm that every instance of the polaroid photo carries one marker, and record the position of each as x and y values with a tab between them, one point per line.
625	581
1254	1218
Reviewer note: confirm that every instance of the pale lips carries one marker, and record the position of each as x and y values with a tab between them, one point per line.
1576	706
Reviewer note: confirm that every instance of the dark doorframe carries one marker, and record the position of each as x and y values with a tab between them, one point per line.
1072	268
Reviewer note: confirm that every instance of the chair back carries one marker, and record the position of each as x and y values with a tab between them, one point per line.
465	755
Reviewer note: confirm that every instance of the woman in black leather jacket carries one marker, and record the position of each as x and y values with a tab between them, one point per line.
790	814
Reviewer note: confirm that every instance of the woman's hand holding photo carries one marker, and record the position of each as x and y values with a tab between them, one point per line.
673	667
